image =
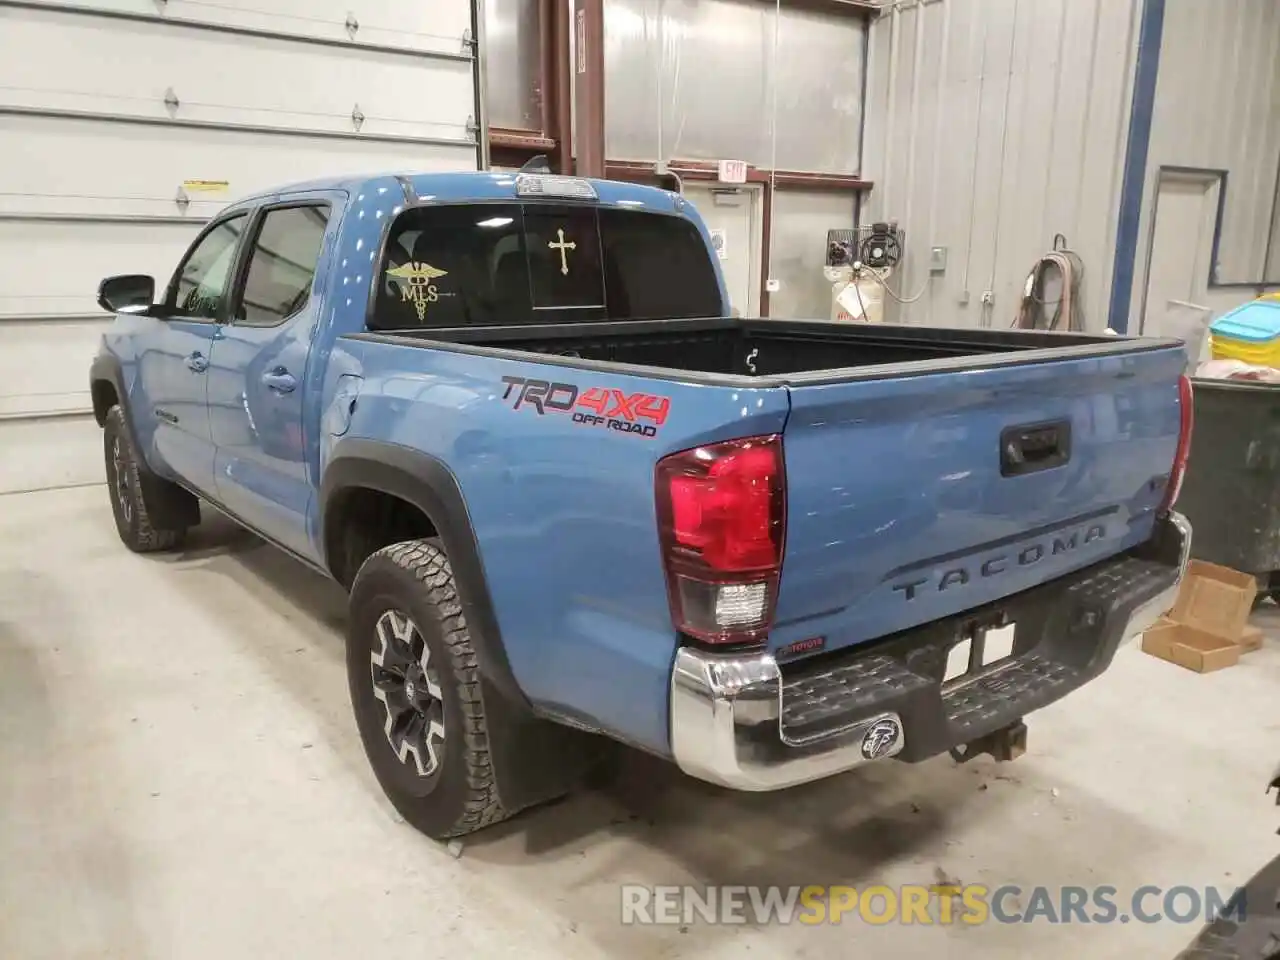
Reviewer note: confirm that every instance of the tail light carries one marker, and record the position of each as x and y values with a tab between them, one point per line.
1183	451
721	517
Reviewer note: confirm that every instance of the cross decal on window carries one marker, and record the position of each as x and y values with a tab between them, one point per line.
564	249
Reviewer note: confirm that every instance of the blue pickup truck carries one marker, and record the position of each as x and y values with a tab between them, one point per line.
574	501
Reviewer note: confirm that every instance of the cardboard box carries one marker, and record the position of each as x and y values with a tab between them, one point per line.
1214	599
1190	647
1250	639
1208	627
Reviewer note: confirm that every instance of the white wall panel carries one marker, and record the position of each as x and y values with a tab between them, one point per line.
992	126
1273	264
432	26
697	79
61	61
798	252
137	170
1217	107
50	452
44	364
92	158
511	81
53	268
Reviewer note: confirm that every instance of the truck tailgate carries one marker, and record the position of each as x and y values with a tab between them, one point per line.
916	497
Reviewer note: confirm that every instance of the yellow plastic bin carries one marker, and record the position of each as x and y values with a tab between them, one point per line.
1250	333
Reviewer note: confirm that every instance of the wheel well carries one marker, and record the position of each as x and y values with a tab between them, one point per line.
104	398
361	521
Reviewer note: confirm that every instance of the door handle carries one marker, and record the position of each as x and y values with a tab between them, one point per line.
1034	446
197	362
280	380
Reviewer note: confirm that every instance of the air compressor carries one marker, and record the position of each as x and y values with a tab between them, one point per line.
859	263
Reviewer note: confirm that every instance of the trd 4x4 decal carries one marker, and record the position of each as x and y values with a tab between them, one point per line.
607	407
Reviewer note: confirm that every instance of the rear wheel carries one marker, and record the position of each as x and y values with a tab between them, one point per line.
415	690
132	498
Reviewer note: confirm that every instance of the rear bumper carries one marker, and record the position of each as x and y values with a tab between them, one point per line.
747	722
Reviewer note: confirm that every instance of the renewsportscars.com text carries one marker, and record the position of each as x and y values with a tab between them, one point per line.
926	904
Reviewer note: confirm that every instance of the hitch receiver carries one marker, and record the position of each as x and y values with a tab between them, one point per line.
1007	743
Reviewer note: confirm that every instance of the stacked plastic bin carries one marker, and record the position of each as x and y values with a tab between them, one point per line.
1250	333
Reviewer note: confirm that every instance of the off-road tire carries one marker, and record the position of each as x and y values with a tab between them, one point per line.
134	522
414	577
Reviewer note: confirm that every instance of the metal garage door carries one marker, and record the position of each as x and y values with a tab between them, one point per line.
124	124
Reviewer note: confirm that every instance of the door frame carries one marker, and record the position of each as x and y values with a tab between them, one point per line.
1210	179
754	193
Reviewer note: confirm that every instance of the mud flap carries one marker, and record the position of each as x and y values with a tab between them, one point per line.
536	760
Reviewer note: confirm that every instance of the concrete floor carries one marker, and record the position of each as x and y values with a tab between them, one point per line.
180	778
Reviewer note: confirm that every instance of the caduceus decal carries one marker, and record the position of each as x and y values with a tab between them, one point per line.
414	280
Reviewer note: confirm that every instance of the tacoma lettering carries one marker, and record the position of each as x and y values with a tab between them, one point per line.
949	578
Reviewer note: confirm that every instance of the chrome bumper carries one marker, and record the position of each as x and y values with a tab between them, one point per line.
727	709
720	703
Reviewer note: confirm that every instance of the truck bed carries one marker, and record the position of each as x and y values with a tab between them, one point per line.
928	471
779	350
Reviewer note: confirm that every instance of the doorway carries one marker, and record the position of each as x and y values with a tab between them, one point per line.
1178	267
733	215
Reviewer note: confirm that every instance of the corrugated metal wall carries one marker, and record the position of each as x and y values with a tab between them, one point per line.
801	219
993	125
1218	108
1273	262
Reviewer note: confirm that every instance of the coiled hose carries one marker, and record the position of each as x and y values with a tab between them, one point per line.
1067	311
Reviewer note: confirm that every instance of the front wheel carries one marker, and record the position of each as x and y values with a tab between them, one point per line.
132	494
415	690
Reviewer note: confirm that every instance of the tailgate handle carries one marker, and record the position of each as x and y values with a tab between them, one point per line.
1034	446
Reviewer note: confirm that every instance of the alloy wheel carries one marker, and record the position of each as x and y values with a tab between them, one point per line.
408	687
123	484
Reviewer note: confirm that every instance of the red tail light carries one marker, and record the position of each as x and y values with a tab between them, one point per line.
1179	469
721	517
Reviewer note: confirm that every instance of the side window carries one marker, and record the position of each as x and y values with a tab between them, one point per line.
205	275
453	266
282	266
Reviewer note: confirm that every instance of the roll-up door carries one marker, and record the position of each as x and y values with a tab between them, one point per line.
124	124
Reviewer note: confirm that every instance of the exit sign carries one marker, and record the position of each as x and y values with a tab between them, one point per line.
733	171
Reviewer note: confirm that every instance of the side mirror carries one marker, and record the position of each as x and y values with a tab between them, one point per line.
130	293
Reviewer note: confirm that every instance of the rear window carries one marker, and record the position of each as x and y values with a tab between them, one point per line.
505	264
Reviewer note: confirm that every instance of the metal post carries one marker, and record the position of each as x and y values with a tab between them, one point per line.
588	24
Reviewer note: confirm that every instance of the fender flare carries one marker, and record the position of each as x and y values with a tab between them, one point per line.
106	369
169	504
431	486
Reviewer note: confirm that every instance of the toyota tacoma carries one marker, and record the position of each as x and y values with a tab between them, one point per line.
574	499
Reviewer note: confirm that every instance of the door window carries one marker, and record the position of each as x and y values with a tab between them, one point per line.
282	266
205	275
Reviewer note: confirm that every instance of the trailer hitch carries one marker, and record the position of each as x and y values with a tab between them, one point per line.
1007	743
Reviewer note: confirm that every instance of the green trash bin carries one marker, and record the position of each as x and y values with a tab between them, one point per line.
1231	492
